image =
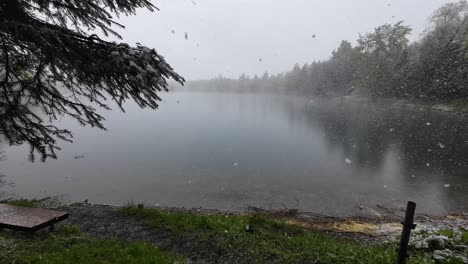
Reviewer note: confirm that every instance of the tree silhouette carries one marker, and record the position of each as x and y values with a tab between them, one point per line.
52	66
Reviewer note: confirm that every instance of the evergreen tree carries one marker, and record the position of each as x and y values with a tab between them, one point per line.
51	66
344	65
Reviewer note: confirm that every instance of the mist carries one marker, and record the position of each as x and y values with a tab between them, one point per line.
230	37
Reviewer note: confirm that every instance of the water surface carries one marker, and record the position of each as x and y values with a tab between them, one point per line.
227	151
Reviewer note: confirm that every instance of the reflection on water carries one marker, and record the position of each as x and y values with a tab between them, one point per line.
226	151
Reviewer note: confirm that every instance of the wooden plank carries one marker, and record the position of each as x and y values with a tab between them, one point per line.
28	219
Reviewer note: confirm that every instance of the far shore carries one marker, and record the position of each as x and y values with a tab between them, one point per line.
456	106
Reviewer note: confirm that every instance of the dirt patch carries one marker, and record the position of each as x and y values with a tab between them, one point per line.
370	229
110	222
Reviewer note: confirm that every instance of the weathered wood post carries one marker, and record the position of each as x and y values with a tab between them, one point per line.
405	234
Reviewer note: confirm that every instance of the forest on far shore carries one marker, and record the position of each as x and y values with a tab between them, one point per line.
383	64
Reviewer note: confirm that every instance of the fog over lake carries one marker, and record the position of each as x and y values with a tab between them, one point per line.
229	151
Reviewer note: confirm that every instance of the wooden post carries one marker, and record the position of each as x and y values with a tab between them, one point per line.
405	234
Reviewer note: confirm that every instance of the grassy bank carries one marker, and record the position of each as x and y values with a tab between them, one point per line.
258	239
193	237
69	245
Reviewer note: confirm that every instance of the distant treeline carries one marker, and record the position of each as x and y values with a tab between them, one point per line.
382	64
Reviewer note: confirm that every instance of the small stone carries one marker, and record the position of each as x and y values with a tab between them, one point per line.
421	245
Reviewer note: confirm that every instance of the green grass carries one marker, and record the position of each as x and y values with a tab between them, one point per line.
22	202
69	245
465	236
451	234
258	239
240	238
447	232
43	202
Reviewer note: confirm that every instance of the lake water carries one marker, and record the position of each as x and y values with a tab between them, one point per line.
229	151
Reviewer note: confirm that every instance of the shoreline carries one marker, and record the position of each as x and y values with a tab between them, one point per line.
456	107
374	226
377	213
254	236
367	231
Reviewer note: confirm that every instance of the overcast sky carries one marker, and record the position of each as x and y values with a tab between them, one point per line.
230	37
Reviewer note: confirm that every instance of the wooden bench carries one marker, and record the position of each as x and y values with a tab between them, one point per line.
29	219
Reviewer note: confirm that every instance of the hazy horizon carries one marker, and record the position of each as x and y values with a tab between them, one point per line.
233	37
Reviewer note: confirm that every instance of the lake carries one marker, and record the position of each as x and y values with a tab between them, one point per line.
229	151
